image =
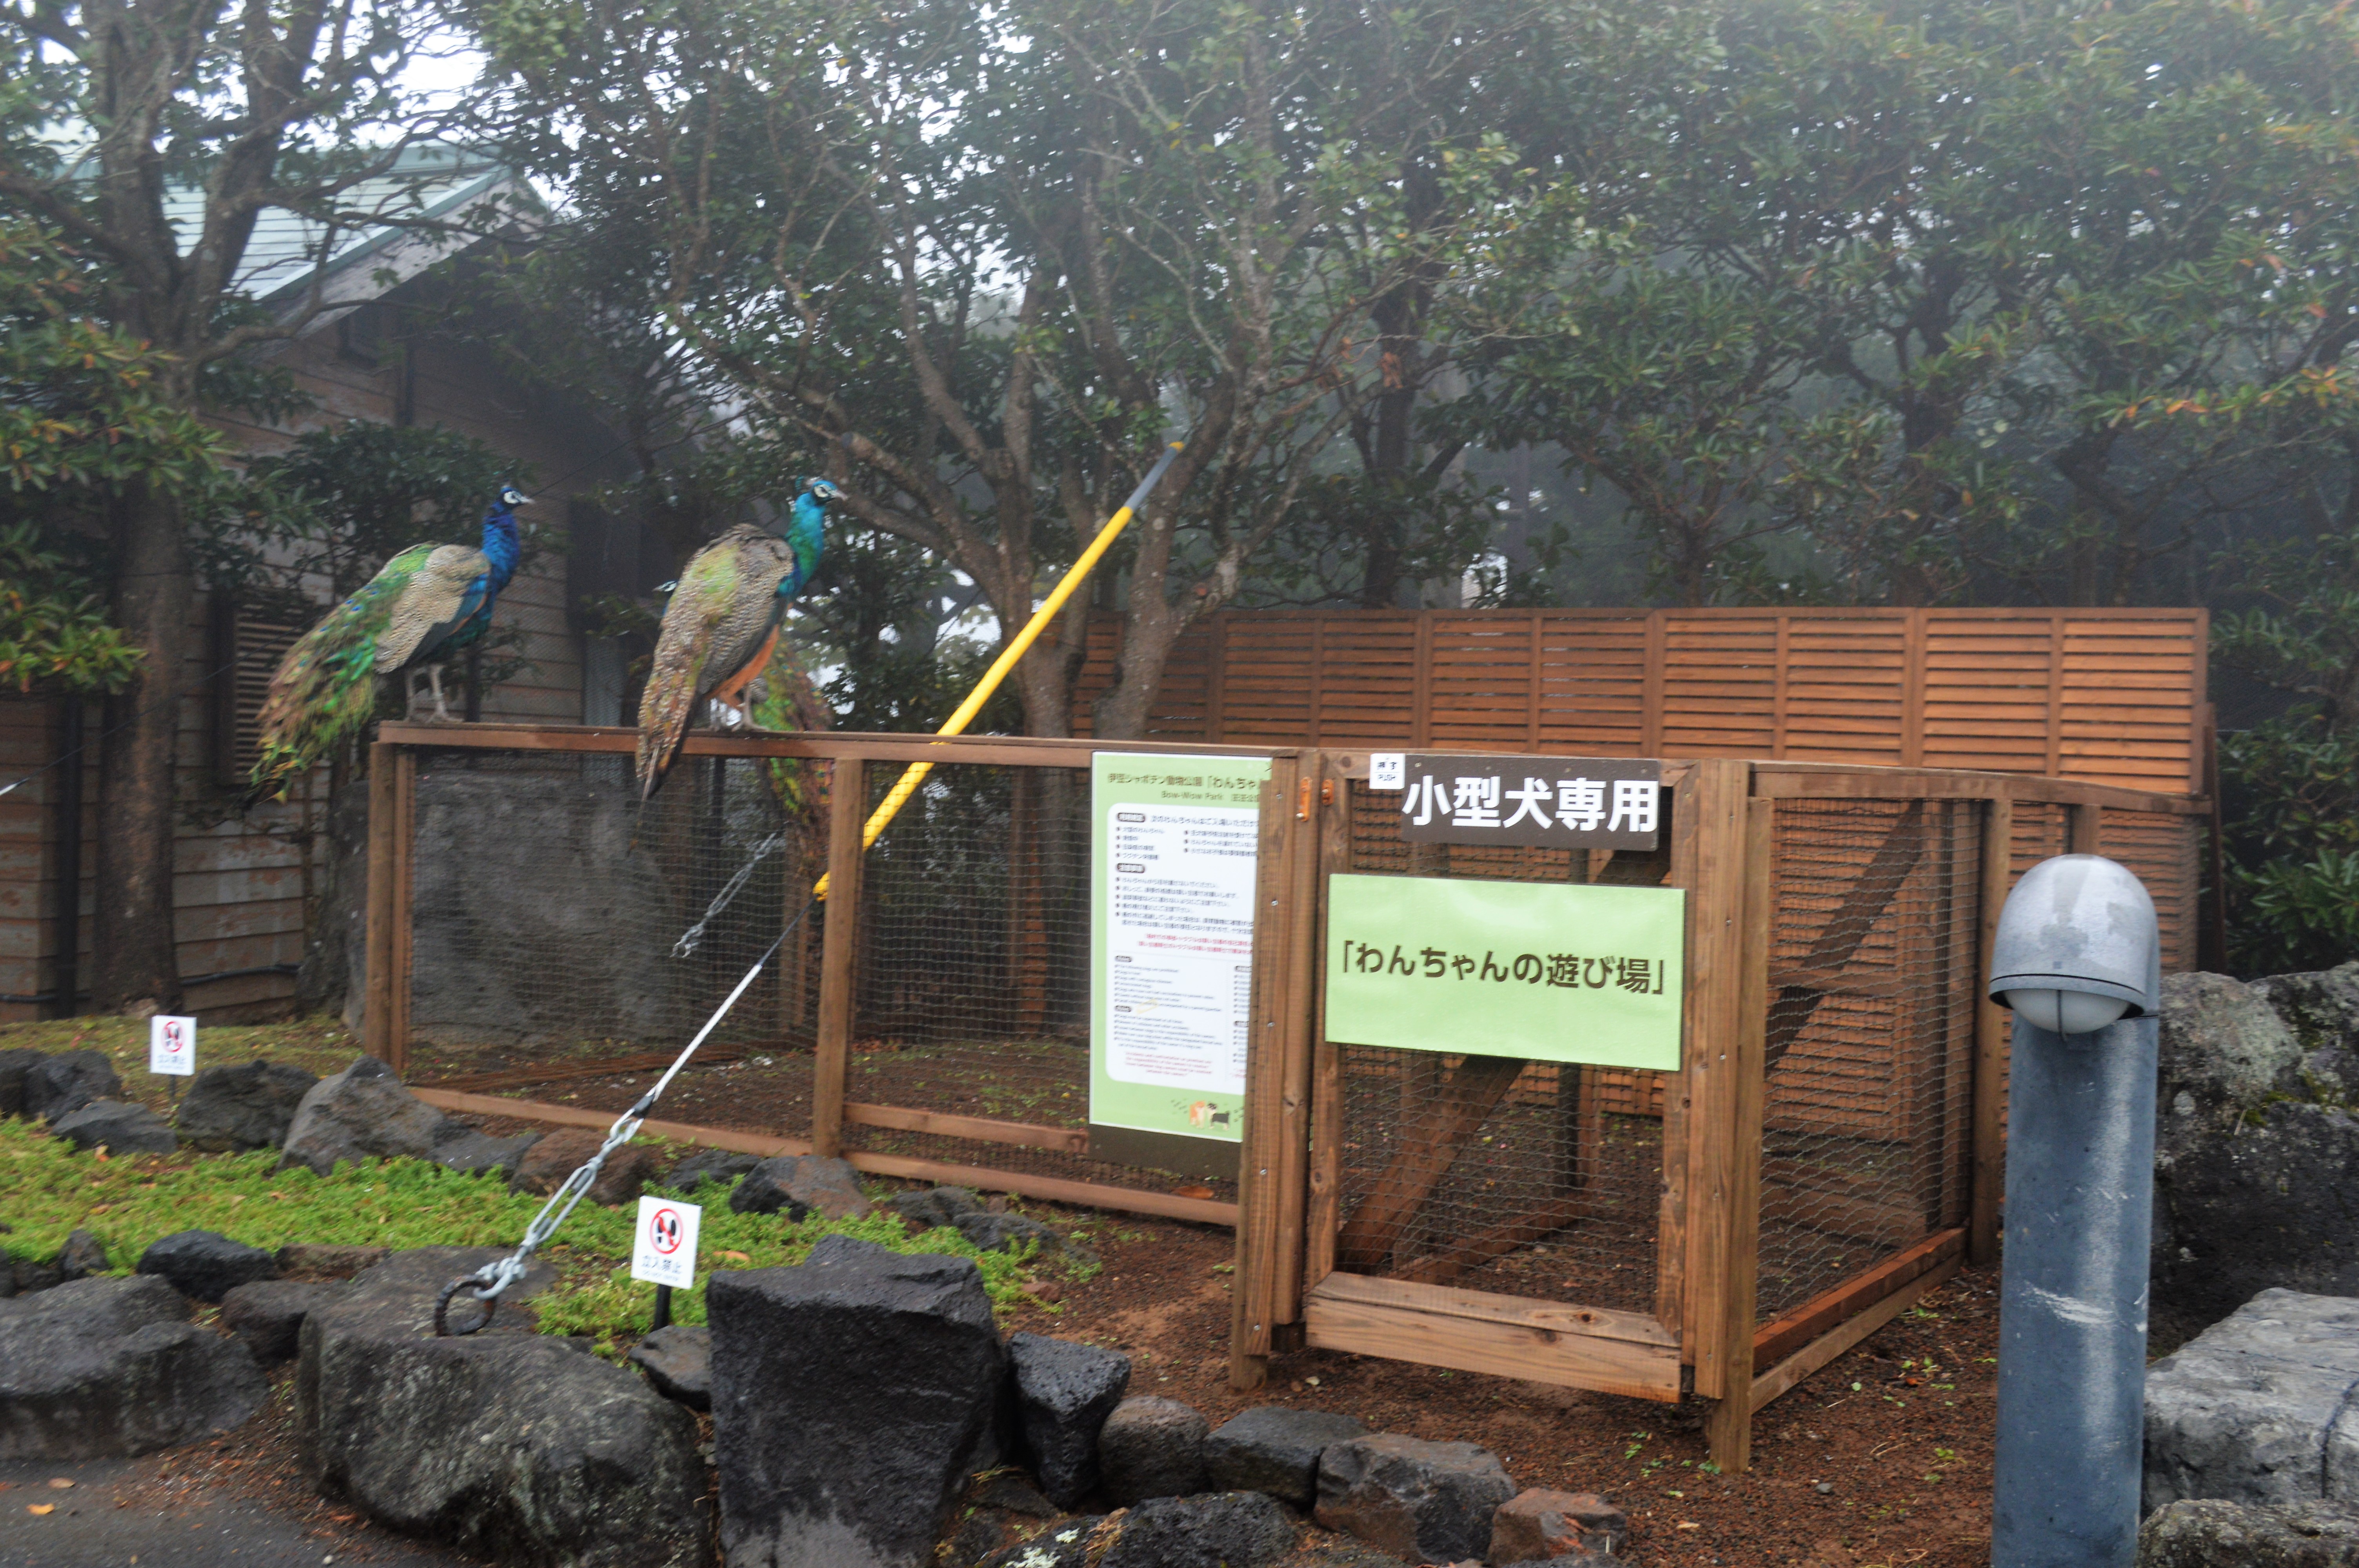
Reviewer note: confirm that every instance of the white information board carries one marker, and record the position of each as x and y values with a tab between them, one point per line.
172	1045
1176	847
665	1253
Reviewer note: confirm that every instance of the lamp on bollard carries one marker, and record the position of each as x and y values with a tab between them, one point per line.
2078	957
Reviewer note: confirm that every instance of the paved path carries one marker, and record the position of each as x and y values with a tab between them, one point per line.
87	1529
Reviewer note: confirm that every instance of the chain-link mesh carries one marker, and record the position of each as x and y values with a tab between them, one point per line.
1525	1178
568	940
556	924
975	983
1870	1038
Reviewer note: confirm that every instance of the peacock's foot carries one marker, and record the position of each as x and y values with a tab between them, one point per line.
732	719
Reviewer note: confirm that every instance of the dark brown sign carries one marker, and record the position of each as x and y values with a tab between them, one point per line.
1555	803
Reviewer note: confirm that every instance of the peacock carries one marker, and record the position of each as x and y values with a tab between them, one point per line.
422	606
722	621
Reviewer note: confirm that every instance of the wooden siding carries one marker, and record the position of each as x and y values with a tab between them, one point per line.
242	884
2105	696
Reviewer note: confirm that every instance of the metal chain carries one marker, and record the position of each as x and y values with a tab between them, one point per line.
686	946
487	1282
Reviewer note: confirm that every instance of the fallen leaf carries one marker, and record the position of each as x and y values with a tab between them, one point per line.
737	1257
1690	1524
1193	1190
40	1507
59	1483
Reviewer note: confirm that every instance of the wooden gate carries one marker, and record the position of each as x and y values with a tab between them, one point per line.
1829	1148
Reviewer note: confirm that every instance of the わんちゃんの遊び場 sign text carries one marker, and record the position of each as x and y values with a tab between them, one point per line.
1550	971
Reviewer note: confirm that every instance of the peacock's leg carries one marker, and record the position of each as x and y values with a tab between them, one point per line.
441	708
409	694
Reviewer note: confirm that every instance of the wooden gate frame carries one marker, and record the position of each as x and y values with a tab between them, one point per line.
1702	1340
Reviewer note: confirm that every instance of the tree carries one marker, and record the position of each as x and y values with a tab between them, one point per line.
79	421
977	271
185	125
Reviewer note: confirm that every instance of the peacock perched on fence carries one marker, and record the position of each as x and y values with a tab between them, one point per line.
424	605
722	623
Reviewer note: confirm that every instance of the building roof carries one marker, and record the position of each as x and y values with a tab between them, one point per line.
431	181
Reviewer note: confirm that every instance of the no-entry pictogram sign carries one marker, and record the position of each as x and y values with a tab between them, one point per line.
665	1253
172	1045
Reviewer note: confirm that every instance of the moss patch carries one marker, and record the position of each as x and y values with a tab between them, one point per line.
48	1190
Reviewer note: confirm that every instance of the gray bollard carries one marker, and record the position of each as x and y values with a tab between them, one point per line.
2078	952
2071	1343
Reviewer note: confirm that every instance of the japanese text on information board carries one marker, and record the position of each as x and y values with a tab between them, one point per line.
1175	849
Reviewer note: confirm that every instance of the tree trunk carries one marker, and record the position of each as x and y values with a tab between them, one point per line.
1149	635
136	961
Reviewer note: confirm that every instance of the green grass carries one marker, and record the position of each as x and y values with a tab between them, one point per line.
48	1190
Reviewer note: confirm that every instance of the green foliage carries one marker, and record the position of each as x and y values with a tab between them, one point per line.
82	426
132	1202
2289	787
54	636
351	495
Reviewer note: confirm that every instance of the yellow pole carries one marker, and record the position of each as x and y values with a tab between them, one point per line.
914	773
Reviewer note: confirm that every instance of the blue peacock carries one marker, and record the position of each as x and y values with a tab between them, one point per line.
425	604
723	622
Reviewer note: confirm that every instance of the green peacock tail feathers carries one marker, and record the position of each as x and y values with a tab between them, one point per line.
325	688
668	702
790	704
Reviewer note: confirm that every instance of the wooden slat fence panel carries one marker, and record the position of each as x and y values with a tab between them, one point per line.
2105	695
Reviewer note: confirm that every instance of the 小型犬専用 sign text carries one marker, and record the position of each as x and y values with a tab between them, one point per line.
1564	803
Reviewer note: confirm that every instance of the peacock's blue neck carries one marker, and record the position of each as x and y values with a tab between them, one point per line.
502	547
806	535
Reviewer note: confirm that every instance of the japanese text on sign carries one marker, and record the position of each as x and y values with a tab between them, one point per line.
1539	802
172	1045
1551	971
1175	849
665	1253
1568	970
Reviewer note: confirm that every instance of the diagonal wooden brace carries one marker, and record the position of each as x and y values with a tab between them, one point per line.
1429	1145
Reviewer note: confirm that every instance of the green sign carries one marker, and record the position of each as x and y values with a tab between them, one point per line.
1554	971
1174	842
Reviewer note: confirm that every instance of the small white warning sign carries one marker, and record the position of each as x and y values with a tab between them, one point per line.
172	1045
666	1252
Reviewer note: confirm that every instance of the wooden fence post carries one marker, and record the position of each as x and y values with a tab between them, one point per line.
1729	1426
1708	850
377	1003
402	902
847	812
1262	1163
1990	1043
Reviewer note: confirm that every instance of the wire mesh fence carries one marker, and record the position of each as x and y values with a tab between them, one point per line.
1531	1179
556	924
566	939
1870	1038
973	990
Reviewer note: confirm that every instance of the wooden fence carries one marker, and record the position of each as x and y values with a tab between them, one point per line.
1831	1147
2106	696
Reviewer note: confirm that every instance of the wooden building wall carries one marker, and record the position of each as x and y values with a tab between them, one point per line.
2107	696
242	881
